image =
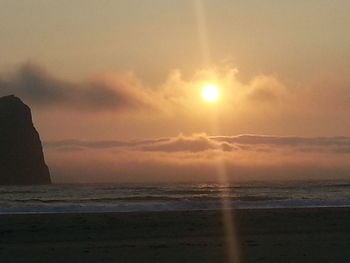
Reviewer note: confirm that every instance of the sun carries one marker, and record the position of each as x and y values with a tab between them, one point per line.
210	92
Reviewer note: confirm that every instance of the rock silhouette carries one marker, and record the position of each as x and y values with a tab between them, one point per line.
21	154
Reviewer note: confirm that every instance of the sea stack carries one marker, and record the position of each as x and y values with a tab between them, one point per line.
21	154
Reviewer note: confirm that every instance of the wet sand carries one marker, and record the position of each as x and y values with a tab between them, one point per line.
275	235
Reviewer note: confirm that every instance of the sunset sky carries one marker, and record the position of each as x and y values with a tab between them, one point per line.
115	86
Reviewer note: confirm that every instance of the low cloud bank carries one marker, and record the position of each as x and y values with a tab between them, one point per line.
203	142
199	158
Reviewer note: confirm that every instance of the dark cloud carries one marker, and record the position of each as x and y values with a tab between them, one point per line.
39	88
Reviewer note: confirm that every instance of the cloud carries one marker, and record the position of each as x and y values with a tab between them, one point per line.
285	140
262	104
198	158
106	144
39	88
266	89
203	142
194	143
184	91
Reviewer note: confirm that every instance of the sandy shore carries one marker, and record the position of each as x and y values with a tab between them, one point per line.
277	235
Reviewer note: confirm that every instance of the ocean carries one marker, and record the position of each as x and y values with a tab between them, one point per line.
170	197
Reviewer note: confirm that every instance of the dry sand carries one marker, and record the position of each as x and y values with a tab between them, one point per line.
275	235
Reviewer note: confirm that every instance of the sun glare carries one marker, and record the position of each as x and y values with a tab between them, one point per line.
210	93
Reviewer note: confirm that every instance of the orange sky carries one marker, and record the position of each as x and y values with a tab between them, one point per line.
128	70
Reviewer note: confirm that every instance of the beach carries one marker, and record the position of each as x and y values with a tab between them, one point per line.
263	235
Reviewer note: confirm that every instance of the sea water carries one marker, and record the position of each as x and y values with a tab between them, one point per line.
170	197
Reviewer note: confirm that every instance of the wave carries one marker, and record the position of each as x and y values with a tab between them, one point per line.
129	198
149	198
180	206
